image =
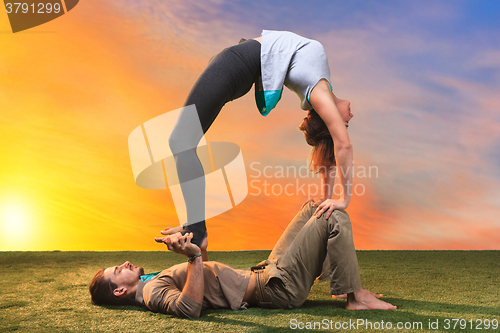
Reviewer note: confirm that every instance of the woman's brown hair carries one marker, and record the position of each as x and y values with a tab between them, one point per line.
322	156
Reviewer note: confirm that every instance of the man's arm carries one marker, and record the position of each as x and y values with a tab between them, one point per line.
195	286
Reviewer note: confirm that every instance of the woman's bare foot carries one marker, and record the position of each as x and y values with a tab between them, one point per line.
175	232
203	248
170	230
363	299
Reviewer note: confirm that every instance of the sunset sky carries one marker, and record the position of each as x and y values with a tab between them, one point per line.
423	79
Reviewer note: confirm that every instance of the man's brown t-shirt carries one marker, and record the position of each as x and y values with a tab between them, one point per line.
224	288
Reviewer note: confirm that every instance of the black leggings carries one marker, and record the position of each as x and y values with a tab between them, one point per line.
228	76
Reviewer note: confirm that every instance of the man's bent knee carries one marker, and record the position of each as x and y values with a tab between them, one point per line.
342	217
308	210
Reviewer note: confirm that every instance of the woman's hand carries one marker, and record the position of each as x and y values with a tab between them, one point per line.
328	206
315	202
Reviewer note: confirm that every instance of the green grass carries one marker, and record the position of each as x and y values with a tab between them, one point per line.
48	292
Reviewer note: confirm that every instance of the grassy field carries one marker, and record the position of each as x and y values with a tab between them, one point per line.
48	292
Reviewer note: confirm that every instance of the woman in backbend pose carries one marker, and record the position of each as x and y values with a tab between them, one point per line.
274	60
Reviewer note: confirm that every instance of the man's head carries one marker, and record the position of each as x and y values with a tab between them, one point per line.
115	285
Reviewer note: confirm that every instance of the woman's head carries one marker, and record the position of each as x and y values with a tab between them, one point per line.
318	136
344	108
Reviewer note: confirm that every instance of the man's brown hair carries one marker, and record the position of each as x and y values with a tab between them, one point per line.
101	290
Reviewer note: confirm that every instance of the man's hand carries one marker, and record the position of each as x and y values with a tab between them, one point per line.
328	206
180	244
171	231
174	233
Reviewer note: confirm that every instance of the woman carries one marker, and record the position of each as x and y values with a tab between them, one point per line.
274	60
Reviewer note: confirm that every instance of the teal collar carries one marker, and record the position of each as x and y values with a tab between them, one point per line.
147	277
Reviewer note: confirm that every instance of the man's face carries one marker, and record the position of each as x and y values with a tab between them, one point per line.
125	275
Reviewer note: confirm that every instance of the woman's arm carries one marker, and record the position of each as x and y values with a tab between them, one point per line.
327	184
322	101
328	181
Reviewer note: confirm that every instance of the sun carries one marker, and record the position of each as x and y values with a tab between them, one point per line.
14	219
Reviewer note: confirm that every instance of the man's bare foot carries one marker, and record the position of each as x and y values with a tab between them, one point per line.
345	295
363	299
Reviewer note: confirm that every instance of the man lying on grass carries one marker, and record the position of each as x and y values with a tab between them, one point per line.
283	281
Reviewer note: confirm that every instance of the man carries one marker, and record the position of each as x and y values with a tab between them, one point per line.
282	281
